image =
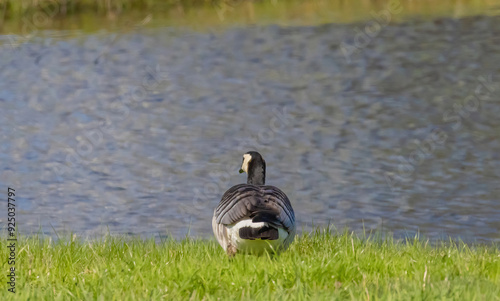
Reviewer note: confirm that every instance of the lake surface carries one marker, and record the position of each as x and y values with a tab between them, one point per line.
365	125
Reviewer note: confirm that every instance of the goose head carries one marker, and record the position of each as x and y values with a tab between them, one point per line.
255	166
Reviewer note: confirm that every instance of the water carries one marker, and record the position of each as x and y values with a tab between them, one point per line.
142	132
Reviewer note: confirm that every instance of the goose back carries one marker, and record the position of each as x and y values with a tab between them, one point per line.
260	203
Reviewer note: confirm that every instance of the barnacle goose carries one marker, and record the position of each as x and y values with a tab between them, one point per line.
253	217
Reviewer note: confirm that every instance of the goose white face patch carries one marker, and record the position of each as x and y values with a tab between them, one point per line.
246	159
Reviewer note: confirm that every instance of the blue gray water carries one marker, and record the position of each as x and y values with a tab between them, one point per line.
142	132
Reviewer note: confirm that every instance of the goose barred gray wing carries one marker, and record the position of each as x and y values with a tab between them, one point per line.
260	203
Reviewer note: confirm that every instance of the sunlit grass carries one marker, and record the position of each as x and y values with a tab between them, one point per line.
19	16
321	265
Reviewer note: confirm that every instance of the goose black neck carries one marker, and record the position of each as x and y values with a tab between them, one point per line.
257	172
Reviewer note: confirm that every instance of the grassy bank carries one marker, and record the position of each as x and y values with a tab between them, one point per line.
13	8
20	16
317	266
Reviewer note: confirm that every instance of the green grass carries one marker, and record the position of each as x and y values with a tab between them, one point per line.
25	16
318	266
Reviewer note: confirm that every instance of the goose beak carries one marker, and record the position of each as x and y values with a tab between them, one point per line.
241	170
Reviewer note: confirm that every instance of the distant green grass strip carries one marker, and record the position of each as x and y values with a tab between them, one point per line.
318	266
16	8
